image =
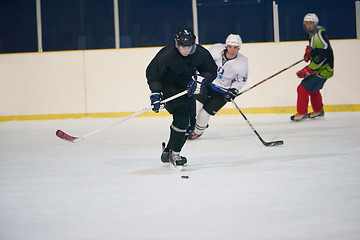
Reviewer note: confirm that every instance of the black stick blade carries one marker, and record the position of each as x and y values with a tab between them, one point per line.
274	143
65	136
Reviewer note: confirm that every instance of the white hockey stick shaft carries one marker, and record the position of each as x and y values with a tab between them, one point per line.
130	116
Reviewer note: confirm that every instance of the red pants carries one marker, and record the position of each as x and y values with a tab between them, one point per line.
303	100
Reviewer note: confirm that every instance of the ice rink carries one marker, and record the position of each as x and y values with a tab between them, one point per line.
112	186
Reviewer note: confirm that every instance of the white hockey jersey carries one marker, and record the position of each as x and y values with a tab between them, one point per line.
232	74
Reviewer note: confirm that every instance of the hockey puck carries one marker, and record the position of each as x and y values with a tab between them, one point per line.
184	176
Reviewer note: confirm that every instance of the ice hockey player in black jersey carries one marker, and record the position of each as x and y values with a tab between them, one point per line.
175	68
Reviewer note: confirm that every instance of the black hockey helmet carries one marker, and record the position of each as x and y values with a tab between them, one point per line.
184	37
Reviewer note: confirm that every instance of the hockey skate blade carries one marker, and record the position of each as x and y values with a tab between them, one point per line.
176	167
171	166
165	164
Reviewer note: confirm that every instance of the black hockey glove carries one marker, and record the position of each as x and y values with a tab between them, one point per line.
231	94
156	98
196	84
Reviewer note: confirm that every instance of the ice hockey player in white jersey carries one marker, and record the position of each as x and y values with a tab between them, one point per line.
232	74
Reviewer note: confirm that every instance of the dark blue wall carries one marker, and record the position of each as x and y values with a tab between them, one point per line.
89	24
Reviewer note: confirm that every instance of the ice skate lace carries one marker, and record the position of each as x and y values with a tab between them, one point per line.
176	157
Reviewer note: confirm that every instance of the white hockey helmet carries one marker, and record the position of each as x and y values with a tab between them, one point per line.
311	17
234	40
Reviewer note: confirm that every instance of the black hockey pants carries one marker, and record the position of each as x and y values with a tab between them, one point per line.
182	109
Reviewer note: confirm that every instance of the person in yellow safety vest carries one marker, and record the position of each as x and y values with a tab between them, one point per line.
320	68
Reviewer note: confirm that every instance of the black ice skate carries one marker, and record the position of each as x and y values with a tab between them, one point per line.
165	155
176	160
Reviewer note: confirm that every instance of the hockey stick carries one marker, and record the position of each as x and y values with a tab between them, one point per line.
270	77
61	134
266	144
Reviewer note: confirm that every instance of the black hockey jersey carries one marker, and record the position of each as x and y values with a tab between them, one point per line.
169	71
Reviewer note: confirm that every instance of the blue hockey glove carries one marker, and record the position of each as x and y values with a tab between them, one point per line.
231	94
156	98
196	84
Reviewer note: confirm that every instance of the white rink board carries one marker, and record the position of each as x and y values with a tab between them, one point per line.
96	81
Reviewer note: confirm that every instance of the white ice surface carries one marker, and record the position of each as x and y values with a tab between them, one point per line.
111	185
